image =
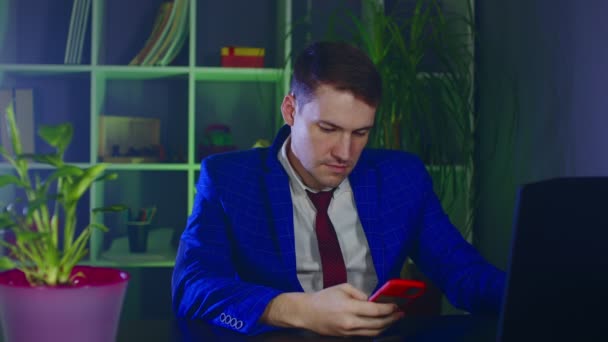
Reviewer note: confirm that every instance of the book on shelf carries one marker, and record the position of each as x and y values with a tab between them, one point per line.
168	35
162	36
83	30
23	106
177	43
79	19
175	35
161	20
161	42
71	31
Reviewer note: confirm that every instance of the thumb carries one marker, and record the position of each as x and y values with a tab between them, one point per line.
353	292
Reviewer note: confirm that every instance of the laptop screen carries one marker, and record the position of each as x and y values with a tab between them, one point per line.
557	282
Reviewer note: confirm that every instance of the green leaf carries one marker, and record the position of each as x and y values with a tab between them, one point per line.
6	155
13	129
99	226
85	181
53	159
10	180
107	176
66	171
26	236
35	205
58	136
6	263
6	220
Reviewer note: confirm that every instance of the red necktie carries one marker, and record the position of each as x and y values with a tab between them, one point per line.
332	263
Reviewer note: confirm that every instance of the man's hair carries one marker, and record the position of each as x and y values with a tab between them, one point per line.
339	65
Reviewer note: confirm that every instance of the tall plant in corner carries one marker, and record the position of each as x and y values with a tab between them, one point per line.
428	113
47	245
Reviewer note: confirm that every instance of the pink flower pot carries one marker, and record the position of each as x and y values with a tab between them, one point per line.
88	311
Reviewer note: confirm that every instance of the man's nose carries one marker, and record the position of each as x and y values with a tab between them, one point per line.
341	149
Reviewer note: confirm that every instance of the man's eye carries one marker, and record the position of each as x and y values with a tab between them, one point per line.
326	129
361	133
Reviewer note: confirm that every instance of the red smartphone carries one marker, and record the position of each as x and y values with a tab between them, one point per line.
399	291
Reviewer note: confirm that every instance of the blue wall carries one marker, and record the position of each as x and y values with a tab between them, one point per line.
542	73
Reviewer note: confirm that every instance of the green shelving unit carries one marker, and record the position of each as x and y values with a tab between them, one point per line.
187	95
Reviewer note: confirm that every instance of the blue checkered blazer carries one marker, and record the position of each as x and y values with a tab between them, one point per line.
237	252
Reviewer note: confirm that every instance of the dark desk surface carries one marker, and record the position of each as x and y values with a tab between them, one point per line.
440	328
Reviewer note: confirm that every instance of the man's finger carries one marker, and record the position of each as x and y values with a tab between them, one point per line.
364	332
360	324
369	330
353	292
371	309
375	323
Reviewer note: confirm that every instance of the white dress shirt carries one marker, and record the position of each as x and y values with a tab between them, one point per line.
342	211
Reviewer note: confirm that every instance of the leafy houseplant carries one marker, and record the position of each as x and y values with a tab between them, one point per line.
45	249
426	110
424	53
46	296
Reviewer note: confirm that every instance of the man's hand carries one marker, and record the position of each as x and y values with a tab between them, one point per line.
340	310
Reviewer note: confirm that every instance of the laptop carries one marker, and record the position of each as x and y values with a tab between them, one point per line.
557	277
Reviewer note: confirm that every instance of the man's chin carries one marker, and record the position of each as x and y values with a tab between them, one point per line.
332	181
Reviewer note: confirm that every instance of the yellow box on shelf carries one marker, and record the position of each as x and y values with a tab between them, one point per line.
243	57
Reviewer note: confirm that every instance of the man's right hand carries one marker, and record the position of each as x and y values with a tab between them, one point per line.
341	310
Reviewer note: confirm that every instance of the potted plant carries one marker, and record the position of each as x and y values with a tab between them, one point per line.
424	54
427	110
423	51
45	295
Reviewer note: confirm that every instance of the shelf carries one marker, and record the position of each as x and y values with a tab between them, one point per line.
44	69
159	252
117	167
150	167
238	74
124	72
39	166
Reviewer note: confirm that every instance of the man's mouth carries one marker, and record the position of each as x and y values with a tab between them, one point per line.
337	168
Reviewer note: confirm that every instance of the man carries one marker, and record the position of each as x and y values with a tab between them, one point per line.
260	252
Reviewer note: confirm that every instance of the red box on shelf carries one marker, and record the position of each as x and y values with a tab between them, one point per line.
242	57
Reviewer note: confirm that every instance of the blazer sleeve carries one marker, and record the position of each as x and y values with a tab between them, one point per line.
453	264
205	284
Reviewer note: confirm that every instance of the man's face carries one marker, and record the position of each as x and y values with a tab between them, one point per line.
327	135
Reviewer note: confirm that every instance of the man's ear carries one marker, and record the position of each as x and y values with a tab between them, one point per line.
288	109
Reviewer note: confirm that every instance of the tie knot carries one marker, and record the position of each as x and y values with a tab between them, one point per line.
320	199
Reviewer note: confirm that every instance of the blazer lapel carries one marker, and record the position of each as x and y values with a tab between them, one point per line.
280	206
363	181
